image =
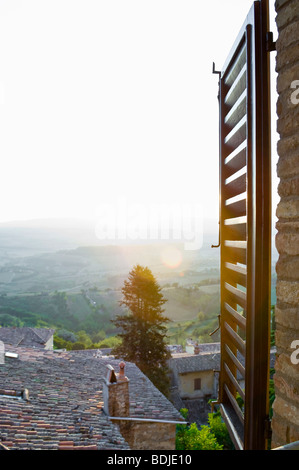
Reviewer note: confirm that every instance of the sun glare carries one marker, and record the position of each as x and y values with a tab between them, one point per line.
171	257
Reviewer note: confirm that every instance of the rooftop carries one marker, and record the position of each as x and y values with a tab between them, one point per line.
207	359
185	362
51	400
26	336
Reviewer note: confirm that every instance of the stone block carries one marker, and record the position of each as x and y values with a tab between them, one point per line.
288	14
287	57
287	388
287	316
288	209
285	352
280	3
288	292
289	187
287	226
287	36
289	411
287	268
287	76
288	166
287	243
283	432
289	123
285	103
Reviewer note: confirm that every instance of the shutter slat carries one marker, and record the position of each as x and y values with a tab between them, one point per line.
236	66
235	316
236	187
237	135
234	381
241	245
235	338
235	209
237	88
236	159
235	232
235	360
234	254
234	404
236	273
237	111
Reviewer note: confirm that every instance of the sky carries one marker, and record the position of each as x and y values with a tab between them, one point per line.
111	103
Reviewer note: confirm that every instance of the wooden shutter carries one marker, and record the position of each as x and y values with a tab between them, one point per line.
245	232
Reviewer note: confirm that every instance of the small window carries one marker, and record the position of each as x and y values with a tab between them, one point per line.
197	384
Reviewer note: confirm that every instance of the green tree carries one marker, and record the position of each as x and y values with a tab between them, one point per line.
213	436
7	320
193	438
220	431
78	346
143	329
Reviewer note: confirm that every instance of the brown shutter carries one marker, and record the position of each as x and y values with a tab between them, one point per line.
245	232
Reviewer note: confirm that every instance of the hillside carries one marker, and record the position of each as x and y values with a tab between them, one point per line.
78	289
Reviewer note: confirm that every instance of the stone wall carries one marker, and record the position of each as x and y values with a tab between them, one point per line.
116	398
148	435
285	422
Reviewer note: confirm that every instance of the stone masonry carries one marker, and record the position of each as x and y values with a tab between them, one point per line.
285	422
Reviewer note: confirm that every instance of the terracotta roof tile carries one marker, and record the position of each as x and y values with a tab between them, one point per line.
65	403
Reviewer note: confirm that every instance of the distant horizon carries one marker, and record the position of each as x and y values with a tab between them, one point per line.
82	232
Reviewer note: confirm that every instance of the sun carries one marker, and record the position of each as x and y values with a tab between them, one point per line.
171	257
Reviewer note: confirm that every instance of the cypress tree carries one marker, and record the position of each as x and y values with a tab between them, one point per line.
143	327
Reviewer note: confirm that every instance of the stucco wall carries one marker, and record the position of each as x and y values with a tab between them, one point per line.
186	384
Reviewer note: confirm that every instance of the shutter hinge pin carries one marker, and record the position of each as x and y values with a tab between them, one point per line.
270	44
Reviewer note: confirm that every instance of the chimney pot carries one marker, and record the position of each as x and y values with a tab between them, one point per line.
121	375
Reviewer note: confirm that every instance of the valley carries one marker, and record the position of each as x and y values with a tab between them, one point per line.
77	288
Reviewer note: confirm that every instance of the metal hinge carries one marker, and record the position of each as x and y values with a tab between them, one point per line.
270	44
217	72
218	327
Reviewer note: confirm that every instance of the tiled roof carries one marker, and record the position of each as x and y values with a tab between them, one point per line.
184	363
26	336
64	410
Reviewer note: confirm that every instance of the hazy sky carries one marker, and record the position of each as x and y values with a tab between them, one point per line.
103	101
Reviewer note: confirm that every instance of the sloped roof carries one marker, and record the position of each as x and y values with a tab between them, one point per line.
185	362
26	336
65	401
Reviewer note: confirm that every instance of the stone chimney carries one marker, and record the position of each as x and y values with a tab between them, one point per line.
196	349
116	392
